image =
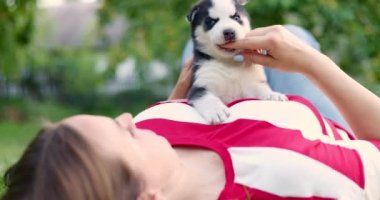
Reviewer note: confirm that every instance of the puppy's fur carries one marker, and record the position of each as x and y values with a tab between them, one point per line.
217	78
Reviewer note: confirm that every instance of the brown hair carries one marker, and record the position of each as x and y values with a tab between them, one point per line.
60	164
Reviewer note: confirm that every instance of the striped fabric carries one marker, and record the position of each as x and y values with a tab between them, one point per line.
275	150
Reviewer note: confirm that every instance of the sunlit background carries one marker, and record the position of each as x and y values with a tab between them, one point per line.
63	57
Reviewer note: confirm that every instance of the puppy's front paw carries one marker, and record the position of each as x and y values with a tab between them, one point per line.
214	112
274	96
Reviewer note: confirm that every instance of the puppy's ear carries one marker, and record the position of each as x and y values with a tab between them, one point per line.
242	2
191	15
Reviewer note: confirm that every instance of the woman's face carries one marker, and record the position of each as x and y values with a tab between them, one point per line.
145	152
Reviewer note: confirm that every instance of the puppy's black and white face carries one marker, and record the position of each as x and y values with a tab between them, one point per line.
217	22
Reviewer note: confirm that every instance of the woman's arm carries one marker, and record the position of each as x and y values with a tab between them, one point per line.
359	106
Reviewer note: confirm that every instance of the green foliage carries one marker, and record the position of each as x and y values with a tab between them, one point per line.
131	101
155	26
24	50
16	28
347	30
75	70
157	30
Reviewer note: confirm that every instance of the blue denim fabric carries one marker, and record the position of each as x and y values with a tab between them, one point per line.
294	83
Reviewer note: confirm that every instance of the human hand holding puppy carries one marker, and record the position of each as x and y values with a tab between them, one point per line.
285	51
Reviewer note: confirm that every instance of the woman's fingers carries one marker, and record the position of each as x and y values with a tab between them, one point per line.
251	43
258	58
259	38
264	30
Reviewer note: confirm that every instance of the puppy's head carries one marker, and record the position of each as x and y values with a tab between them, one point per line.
217	22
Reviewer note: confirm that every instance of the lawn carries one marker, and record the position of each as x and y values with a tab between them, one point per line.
14	136
13	140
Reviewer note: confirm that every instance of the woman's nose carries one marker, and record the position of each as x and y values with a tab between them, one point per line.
126	121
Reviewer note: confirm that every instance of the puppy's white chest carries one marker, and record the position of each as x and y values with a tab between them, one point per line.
230	82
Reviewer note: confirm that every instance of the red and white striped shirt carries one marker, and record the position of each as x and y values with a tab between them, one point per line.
275	150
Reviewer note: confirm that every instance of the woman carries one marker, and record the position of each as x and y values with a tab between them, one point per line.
289	152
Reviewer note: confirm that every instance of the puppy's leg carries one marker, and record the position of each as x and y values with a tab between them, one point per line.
209	106
264	92
261	88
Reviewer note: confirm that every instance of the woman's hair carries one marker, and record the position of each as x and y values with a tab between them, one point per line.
60	164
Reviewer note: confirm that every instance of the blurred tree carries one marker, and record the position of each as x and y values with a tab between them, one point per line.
156	30
16	28
347	30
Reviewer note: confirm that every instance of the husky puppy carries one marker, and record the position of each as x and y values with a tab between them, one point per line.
218	78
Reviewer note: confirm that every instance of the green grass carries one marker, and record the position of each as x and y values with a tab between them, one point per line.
13	140
14	136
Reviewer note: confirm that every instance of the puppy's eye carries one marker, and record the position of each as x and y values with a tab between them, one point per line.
209	22
236	17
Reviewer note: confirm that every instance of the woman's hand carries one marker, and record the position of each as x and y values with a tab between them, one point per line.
285	51
183	83
288	53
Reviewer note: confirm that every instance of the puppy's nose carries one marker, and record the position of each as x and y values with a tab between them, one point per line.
229	35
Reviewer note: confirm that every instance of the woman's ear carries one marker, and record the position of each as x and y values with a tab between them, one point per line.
151	195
